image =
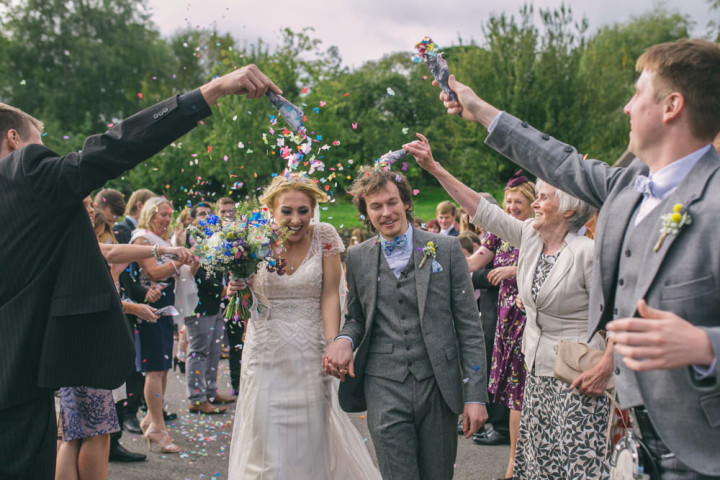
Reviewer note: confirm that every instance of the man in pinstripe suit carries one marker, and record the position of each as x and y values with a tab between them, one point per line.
60	317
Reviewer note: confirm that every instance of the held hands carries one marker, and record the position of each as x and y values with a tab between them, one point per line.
497	275
474	416
660	340
420	149
248	80
338	359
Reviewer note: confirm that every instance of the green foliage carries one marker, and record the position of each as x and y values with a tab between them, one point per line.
82	64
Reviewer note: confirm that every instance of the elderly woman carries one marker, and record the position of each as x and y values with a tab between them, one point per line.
562	431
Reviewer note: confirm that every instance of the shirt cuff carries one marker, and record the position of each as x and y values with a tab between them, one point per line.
352	344
701	373
193	104
474	403
491	127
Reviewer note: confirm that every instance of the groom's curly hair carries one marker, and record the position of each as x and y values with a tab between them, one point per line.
369	180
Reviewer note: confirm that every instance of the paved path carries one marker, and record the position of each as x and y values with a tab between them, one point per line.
205	443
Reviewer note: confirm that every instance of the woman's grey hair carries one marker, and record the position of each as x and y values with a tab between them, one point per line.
582	212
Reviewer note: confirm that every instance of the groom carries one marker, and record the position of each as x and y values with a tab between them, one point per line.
412	317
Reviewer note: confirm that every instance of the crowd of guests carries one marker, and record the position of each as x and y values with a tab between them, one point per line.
556	292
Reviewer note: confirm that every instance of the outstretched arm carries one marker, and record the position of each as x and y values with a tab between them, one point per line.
486	215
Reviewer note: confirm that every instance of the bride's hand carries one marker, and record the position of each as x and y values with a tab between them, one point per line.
338	359
239	284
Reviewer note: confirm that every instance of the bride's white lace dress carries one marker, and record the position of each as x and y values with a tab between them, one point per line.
288	424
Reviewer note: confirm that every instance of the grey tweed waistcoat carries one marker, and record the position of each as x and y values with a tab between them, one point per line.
396	346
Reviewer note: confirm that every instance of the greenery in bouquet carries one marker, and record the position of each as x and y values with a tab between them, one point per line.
238	248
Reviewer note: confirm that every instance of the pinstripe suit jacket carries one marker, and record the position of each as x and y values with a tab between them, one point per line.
61	322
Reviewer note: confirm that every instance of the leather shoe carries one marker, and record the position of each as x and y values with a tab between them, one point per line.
132	425
219	398
206	408
118	453
490	436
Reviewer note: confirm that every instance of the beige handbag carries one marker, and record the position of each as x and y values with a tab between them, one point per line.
573	358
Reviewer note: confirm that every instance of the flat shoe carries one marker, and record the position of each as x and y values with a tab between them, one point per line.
207	409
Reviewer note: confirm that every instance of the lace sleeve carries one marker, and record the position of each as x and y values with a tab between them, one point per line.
330	241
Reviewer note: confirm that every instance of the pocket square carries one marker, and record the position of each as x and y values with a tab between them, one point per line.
435	266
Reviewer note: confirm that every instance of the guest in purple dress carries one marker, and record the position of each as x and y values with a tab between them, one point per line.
507	373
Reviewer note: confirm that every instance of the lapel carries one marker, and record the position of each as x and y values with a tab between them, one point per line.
531	251
689	191
370	279
422	275
557	272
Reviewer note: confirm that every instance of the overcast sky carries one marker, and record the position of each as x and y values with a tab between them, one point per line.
368	29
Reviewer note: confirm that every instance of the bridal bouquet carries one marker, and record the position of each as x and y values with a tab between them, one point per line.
238	248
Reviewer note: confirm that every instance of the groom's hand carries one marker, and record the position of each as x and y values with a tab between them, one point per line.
474	416
338	359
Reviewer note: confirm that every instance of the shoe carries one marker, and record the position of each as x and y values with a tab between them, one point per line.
178	364
490	437
219	398
161	441
169	417
132	425
118	453
206	408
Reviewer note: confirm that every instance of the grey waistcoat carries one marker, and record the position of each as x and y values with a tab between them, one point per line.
633	256
396	346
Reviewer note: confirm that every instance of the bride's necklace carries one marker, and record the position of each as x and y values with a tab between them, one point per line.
292	261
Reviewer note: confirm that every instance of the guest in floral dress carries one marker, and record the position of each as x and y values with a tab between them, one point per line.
507	373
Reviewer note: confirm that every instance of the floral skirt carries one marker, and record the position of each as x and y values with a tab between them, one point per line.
562	433
86	412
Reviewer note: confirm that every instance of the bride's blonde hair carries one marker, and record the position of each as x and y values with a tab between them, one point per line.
293	181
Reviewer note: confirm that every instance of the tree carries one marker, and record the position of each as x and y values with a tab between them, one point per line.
78	63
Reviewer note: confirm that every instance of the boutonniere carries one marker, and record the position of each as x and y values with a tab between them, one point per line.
429	251
672	223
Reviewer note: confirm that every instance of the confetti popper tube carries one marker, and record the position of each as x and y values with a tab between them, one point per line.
392	157
290	112
427	50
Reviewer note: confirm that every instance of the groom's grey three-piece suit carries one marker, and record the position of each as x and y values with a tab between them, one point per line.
682	276
420	354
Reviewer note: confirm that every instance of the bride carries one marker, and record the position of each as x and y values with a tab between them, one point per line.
288	424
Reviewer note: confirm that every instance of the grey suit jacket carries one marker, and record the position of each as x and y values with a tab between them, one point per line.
683	276
448	314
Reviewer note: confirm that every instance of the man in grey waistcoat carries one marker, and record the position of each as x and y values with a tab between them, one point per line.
656	276
411	316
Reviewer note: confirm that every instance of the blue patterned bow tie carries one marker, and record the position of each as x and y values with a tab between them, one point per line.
400	244
644	185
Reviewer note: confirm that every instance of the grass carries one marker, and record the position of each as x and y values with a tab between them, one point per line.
343	216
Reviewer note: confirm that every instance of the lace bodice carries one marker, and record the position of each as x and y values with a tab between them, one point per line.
295	299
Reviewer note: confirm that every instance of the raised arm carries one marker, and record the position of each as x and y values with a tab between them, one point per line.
491	218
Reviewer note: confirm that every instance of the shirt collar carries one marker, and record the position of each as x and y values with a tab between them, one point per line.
669	177
408	235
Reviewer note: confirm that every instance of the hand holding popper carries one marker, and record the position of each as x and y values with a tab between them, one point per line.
428	51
